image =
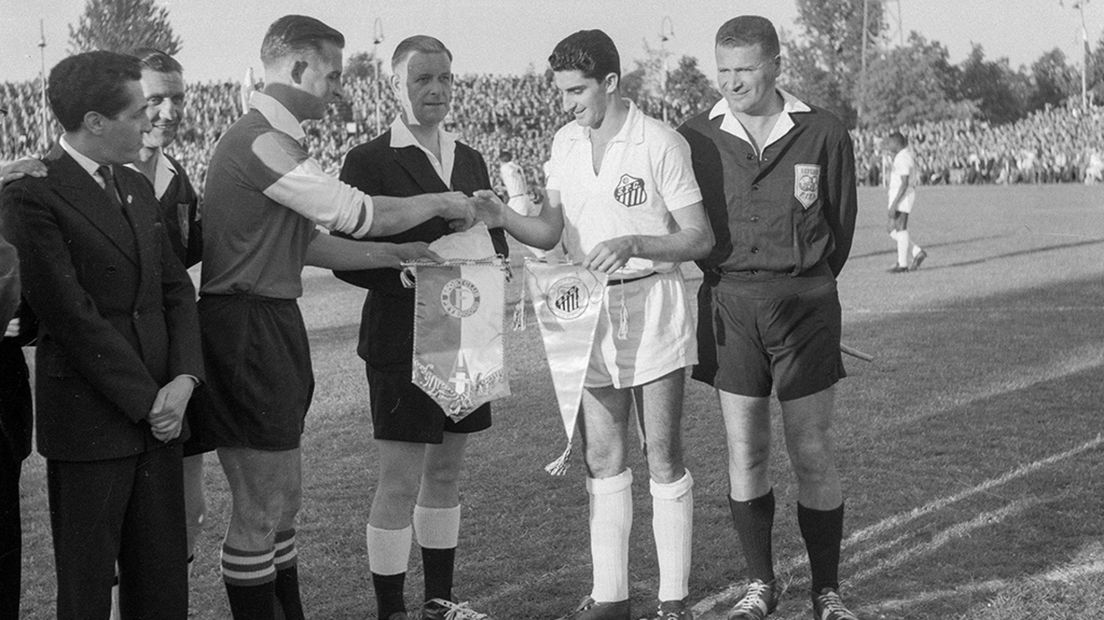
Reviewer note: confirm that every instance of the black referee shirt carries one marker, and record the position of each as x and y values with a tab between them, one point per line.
782	213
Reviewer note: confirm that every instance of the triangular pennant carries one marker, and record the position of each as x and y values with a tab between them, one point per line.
567	300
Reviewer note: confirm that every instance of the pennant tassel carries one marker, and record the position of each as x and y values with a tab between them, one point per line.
519	307
558	467
623	319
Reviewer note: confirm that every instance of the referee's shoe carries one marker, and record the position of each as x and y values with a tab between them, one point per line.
827	605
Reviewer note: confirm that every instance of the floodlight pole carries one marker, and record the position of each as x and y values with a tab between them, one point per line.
1080	6
862	63
666	32
1084	57
377	38
45	107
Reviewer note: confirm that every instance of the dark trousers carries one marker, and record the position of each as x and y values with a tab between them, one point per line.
11	534
131	510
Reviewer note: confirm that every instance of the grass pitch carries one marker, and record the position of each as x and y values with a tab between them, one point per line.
971	449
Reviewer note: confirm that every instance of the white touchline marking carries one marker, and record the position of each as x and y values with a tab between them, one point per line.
1070	362
916	513
1062	574
958	530
790	564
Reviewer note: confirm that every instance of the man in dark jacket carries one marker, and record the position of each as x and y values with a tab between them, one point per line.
118	353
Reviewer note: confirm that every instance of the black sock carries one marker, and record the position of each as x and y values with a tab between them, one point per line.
754	520
287	592
823	534
389	594
438	566
252	602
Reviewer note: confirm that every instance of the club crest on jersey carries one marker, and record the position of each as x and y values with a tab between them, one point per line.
568	298
806	183
459	298
630	191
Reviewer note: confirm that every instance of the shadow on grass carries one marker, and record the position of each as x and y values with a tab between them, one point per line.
889	248
1017	253
991	420
956	401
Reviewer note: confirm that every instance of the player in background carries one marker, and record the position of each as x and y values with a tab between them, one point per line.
902	197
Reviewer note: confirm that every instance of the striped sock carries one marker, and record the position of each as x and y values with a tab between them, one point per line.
250	579
287	575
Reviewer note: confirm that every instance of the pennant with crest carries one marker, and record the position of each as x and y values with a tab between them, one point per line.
567	300
458	324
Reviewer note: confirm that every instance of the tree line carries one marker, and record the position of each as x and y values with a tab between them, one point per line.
823	63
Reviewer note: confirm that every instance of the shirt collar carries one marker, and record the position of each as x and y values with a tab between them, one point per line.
277	115
163	174
790	105
402	137
87	163
631	131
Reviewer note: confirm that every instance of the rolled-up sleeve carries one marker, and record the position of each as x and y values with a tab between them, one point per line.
290	177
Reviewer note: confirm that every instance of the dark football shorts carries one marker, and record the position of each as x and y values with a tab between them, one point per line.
783	334
259	377
401	411
192	445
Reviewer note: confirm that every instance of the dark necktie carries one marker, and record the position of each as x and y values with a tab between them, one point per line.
110	187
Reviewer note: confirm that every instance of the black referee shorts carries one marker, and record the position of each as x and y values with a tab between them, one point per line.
259	376
401	411
784	335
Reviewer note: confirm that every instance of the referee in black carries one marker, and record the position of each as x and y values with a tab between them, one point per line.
778	182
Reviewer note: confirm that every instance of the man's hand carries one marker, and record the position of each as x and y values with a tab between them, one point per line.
456	208
13	328
18	169
611	255
489	208
166	417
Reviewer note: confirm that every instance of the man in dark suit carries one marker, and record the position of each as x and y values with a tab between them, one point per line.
421	451
118	352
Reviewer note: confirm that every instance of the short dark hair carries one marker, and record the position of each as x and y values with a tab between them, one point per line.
91	82
505	156
157	61
898	137
748	30
591	52
418	43
297	33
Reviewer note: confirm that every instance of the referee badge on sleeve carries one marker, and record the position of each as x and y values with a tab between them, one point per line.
806	183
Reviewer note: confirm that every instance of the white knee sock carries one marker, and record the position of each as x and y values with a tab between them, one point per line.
672	527
903	248
437	528
388	550
610	522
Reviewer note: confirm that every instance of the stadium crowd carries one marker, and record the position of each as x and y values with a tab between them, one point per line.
521	113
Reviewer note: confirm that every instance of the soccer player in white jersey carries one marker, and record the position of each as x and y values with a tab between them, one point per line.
622	186
902	197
